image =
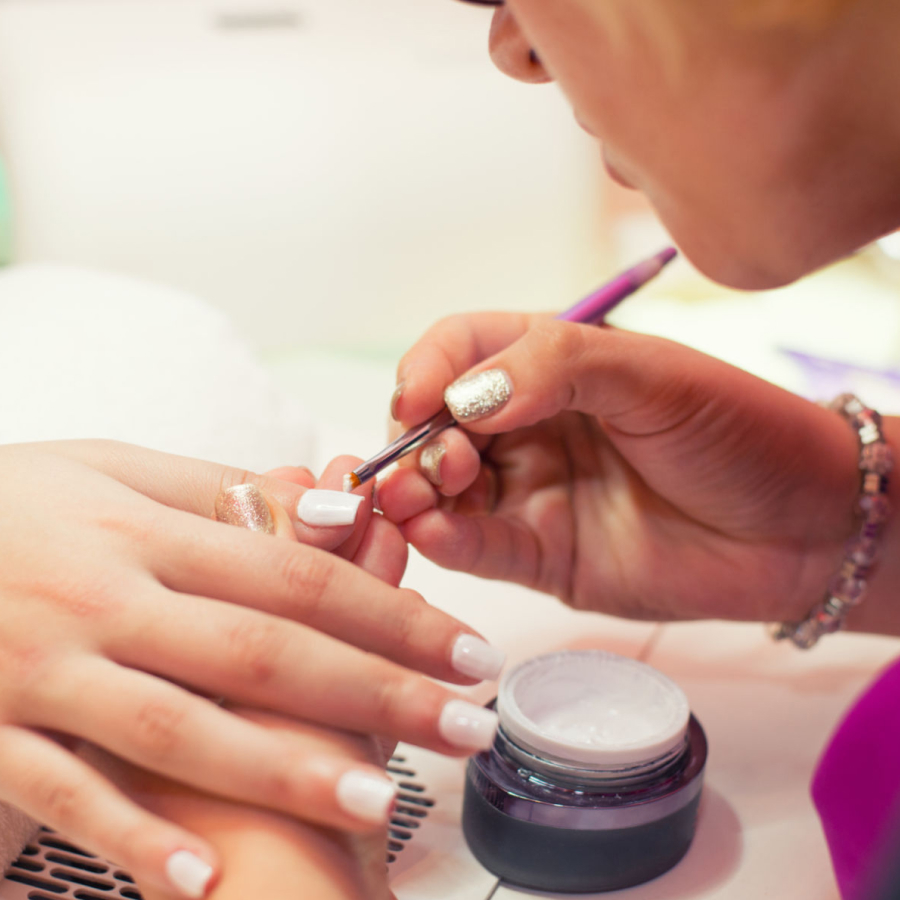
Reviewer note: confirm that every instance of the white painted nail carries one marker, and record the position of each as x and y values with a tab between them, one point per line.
475	396
188	873
324	508
467	725
476	658
366	796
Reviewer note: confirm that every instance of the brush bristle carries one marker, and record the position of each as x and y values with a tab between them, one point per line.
351	482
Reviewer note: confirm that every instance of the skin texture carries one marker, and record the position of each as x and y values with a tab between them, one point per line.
766	142
633	476
145	600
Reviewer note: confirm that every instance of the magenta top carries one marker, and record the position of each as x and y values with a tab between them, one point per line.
856	788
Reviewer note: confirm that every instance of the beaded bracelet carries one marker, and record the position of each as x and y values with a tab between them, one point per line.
848	587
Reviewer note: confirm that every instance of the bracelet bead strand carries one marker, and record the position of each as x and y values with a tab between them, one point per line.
847	589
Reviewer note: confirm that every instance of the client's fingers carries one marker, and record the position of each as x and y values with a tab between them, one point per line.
383	552
168	730
321	590
268	854
46	781
323	518
224	650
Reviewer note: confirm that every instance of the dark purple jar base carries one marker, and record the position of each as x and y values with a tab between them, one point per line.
575	861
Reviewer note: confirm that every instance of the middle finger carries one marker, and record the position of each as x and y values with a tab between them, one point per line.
269	662
322	591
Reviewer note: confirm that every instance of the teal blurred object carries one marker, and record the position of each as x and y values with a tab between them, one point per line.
5	219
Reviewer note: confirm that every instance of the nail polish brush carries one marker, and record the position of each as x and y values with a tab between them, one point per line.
592	310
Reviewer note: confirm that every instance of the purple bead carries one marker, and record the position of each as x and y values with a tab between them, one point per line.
849	570
875	507
862	551
848	590
876	457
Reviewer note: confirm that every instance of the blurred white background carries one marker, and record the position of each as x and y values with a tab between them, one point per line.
328	172
335	175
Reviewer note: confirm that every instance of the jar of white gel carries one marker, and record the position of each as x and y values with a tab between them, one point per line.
594	778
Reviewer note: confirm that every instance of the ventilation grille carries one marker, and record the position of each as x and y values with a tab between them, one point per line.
52	868
412	806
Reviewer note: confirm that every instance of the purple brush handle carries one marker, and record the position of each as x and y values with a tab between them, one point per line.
595	306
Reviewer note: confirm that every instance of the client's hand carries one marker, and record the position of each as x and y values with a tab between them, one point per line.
622	473
267	854
121	601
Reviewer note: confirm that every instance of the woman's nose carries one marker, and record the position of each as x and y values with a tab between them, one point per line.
512	53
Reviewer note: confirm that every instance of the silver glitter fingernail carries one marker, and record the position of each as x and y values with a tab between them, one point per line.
476	396
430	462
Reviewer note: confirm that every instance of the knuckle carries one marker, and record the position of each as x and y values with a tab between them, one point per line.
59	803
307	576
26	668
157	728
409	619
392	699
561	341
280	784
89	598
254	647
560	346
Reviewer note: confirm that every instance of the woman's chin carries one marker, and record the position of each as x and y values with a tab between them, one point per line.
742	261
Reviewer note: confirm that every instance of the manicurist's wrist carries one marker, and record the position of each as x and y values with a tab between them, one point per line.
880	613
848	587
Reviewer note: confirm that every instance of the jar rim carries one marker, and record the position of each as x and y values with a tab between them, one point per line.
593	709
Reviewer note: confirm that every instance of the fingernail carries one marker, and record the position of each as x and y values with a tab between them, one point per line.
475	396
395	399
467	725
190	875
476	658
430	459
324	508
245	506
366	796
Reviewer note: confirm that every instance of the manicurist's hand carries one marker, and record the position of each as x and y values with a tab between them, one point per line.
124	606
623	473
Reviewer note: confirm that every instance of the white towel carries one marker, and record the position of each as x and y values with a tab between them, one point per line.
88	354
